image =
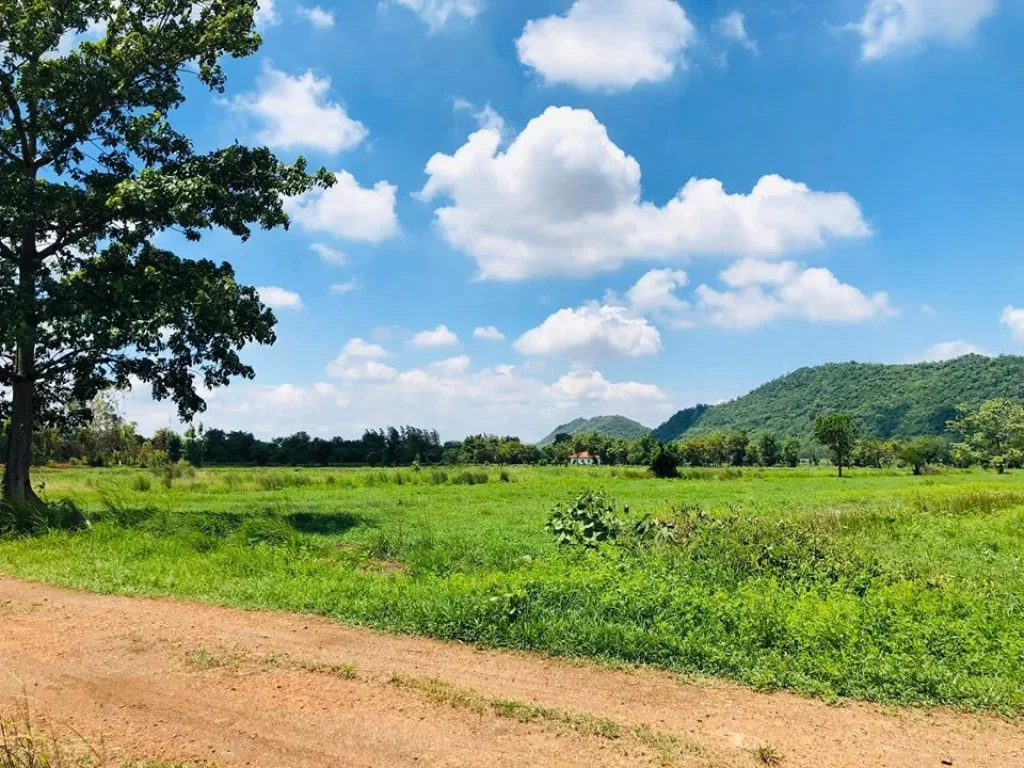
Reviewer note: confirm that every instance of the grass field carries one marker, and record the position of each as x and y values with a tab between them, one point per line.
880	586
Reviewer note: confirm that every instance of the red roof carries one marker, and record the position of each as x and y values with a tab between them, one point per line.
584	455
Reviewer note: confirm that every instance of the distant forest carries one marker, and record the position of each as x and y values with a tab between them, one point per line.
886	401
772	425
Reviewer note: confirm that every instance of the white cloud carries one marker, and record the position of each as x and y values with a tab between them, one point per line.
437	13
348	210
340	289
563	199
592	331
279	298
439	337
94	31
928	309
583	385
453	365
487	118
449	395
733	27
655	292
1013	319
488	333
329	255
317	16
947	350
613	44
893	26
296	112
360	361
266	14
812	294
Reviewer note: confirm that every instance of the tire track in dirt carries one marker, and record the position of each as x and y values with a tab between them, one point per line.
187	682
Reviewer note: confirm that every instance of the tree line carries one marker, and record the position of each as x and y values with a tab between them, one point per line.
991	436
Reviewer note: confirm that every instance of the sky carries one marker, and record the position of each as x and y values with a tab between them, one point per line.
557	208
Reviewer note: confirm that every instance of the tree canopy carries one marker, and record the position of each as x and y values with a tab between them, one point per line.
92	169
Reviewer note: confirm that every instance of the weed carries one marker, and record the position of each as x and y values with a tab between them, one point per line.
141	483
463	698
766	754
587	520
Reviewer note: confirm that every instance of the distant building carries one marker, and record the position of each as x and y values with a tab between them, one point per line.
584	459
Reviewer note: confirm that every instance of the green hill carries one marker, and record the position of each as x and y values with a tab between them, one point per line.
608	426
890	401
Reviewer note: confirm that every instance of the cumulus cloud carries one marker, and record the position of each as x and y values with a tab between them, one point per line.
947	350
297	112
441	336
488	333
655	292
361	361
317	16
592	331
1013	319
893	26
279	298
450	395
563	199
612	44
348	210
733	27
764	291
437	13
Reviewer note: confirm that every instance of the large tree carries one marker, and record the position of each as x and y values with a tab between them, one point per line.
92	168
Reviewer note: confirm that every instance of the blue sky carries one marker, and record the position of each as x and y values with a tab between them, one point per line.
646	203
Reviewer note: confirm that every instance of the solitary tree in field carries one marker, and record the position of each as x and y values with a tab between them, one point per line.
994	434
91	169
838	433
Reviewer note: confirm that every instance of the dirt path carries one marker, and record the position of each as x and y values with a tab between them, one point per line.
156	679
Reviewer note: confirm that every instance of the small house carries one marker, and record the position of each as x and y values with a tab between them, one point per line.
584	459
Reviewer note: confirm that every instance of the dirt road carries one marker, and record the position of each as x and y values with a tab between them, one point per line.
158	679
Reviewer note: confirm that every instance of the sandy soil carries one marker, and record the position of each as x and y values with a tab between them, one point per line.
161	679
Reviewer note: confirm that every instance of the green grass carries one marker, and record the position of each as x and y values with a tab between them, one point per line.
881	586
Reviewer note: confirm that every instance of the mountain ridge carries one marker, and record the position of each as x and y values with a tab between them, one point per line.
607	426
887	400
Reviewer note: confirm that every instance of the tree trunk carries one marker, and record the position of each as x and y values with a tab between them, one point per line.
17	483
840	462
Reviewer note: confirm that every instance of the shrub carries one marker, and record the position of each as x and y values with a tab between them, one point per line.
653	531
587	521
664	462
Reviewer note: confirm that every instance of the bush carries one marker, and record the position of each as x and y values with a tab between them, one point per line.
587	521
665	462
